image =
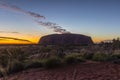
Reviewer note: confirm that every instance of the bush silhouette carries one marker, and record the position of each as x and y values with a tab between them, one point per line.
52	62
74	58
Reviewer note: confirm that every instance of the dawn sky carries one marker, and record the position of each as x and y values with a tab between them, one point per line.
99	19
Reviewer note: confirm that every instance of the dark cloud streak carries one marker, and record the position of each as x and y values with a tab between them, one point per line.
53	26
18	9
49	25
1	38
9	32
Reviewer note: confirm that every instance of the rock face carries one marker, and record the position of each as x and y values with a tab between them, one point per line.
65	39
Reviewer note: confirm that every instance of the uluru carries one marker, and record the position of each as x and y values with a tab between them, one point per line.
65	39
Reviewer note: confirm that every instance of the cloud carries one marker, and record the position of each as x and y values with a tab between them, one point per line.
5	38
53	26
18	9
36	16
9	32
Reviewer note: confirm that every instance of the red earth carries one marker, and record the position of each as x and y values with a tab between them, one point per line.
82	71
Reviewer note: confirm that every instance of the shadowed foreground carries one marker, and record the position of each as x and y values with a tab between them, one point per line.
82	71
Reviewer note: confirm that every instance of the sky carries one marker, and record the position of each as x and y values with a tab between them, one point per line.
26	21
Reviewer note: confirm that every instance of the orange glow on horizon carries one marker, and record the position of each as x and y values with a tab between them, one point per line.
33	39
96	40
99	39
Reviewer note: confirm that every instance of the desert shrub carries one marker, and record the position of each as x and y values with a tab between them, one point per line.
115	56
15	66
88	55
116	43
52	62
101	57
9	55
45	49
74	58
60	53
33	64
80	59
3	73
18	54
70	59
12	60
4	58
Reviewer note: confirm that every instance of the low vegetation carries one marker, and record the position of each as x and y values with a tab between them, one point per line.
17	58
33	64
74	58
52	62
101	57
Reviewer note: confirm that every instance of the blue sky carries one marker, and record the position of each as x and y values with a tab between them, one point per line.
99	19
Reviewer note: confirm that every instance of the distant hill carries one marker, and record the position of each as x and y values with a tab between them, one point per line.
65	39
